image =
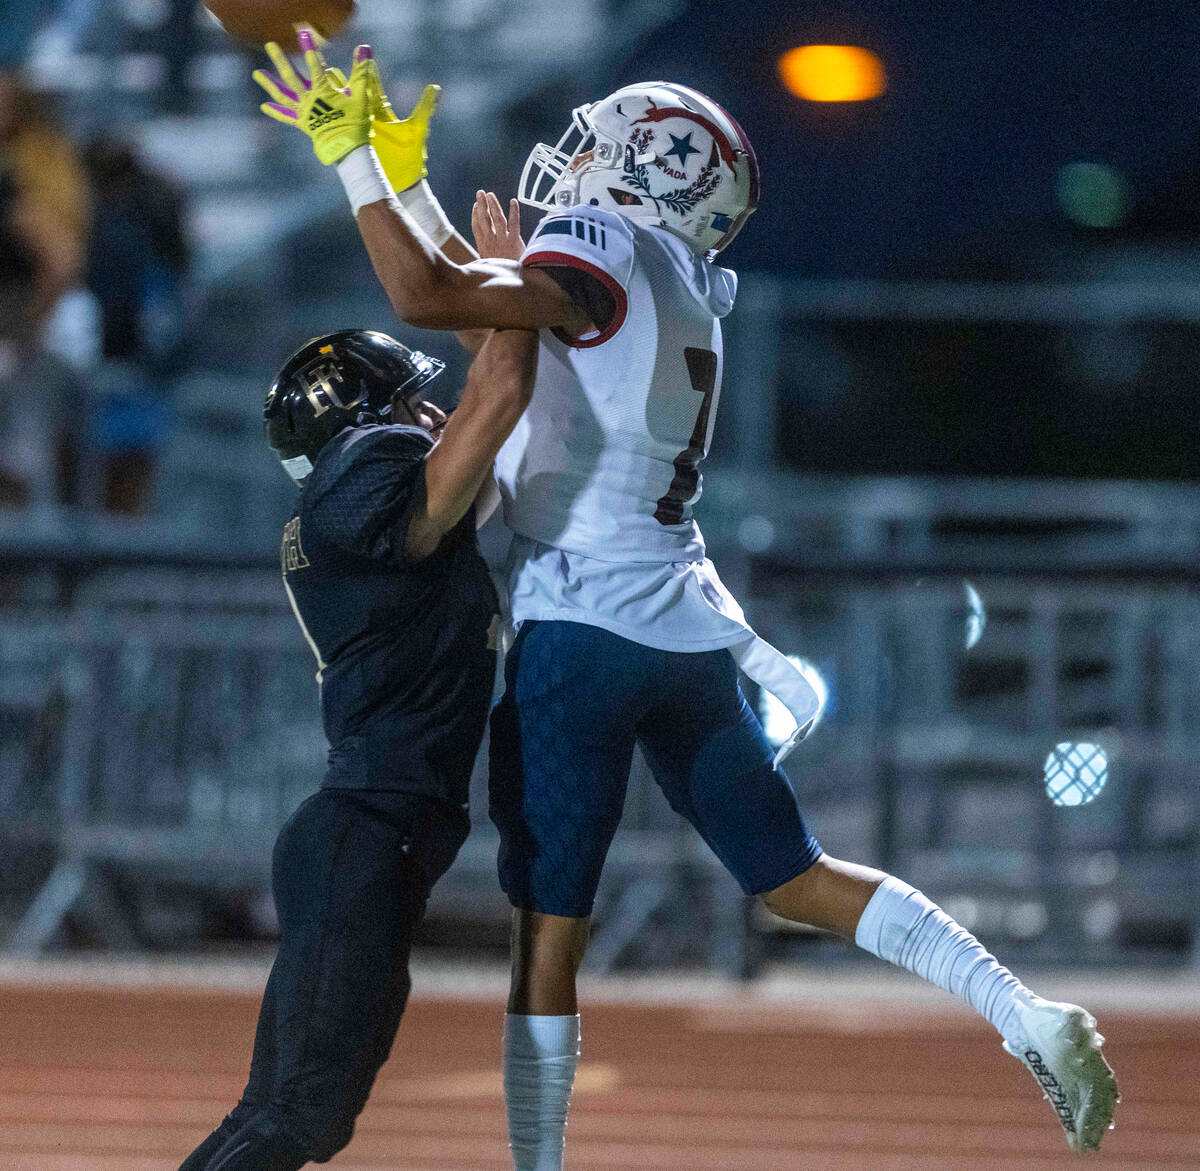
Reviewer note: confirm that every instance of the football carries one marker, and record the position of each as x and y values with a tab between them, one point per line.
259	21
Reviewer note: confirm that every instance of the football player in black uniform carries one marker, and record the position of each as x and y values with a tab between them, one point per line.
383	571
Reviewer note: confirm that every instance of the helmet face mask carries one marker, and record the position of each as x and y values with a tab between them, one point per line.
550	177
345	379
657	153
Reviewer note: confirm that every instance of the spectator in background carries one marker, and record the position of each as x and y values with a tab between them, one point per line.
49	206
138	262
17	269
137	268
43	230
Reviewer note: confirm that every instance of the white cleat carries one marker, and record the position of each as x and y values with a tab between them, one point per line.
1061	1048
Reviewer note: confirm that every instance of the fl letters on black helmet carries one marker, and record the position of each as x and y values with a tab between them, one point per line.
340	380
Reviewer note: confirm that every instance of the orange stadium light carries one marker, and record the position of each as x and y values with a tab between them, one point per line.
832	73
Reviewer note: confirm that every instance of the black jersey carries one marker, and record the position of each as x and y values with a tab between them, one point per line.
405	652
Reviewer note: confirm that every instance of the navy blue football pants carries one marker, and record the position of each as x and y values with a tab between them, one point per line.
351	874
577	700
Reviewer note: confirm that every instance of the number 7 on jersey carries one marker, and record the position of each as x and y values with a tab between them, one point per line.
673	508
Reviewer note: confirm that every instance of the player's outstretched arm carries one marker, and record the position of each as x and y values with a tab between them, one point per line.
432	292
434	289
425	286
399	143
499	386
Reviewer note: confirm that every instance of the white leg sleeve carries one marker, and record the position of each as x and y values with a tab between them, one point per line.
540	1056
902	926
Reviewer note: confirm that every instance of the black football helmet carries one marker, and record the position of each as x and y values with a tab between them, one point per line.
343	379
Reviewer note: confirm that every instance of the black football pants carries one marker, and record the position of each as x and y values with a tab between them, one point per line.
351	874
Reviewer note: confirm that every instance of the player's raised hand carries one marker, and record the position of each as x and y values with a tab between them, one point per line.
400	142
285	86
333	110
496	235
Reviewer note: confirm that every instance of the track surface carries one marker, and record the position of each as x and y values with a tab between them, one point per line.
103	1079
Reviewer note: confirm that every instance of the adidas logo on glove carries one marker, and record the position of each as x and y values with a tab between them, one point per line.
322	113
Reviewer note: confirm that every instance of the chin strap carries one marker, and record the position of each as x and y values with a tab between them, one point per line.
774	672
299	467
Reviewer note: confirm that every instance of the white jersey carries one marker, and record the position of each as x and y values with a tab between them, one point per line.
604	461
599	477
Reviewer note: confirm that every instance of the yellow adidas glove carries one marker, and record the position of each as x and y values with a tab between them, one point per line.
335	112
400	142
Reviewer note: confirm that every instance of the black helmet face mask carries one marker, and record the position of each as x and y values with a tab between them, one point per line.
407	397
417	411
403	410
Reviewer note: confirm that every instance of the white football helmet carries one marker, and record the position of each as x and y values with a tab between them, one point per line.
655	152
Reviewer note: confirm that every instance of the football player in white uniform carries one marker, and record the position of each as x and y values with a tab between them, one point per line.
625	633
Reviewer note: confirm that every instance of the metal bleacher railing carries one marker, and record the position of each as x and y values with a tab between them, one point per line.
160	727
934	752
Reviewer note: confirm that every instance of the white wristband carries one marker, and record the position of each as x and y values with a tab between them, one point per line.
363	178
420	203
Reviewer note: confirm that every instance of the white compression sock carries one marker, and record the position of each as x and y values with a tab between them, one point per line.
540	1056
902	926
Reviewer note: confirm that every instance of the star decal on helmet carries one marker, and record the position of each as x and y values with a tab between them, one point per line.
640	141
681	148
